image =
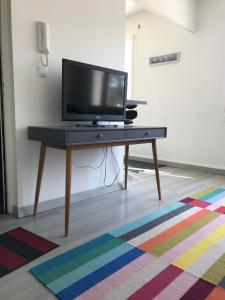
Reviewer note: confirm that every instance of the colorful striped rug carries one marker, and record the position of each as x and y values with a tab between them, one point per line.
177	252
19	247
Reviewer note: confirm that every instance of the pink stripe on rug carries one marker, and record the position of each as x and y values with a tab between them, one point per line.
213	207
220	202
178	287
157	284
185	245
117	278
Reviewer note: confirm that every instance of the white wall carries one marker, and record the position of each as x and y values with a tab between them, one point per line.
83	30
182	12
187	97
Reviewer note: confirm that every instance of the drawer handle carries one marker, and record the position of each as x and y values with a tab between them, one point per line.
147	133
100	136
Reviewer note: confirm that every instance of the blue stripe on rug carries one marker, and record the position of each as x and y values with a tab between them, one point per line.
67	256
89	281
216	198
152	224
152	216
211	195
68	279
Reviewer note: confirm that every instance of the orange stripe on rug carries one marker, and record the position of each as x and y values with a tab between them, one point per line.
216	294
165	235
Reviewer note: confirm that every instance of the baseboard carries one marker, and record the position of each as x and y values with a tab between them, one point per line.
21	212
180	165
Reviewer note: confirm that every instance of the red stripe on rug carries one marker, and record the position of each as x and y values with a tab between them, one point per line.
187	200
10	260
32	239
157	284
199	291
196	202
221	210
200	203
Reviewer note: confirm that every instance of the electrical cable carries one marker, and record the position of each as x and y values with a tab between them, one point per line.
91	167
117	175
105	166
104	160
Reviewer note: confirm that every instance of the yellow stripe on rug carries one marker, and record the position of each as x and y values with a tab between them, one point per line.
192	255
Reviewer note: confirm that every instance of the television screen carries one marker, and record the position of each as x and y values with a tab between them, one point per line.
93	93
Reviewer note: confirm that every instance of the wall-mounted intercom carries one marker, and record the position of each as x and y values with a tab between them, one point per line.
42	30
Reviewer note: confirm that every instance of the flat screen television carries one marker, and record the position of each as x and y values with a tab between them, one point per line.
92	93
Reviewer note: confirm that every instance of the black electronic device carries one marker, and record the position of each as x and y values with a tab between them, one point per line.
92	93
132	114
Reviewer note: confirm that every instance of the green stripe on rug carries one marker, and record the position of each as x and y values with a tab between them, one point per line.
203	193
64	268
88	268
212	194
182	235
71	254
216	272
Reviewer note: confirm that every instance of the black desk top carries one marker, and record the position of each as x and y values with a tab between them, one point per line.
95	128
78	135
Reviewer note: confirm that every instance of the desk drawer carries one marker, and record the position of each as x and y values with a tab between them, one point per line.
94	137
152	133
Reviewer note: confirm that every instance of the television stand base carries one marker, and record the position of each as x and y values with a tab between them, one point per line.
97	125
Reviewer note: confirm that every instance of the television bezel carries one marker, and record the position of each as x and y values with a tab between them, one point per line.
92	117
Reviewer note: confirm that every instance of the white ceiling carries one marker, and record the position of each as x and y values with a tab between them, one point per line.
132	8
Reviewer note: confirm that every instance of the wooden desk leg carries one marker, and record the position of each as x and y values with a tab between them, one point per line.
69	152
154	151
126	164
39	176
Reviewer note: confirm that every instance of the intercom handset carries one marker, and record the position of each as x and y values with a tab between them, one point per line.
43	41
